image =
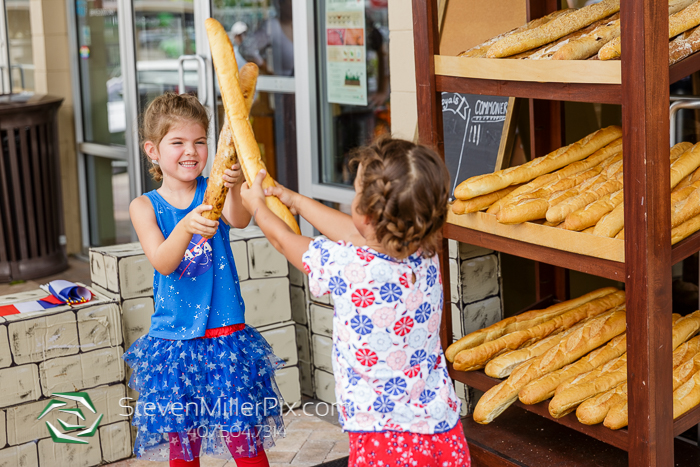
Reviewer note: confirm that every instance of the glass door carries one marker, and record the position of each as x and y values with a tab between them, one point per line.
127	52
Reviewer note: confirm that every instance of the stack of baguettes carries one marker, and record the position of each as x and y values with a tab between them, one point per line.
580	187
575	351
591	32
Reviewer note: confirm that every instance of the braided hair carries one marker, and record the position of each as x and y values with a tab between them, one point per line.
404	192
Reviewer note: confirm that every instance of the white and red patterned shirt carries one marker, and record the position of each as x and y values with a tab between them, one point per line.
389	367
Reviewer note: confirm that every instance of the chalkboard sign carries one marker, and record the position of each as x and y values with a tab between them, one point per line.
478	134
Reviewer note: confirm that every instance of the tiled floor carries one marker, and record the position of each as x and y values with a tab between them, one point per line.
310	441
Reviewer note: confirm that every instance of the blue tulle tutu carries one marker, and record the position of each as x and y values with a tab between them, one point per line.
199	396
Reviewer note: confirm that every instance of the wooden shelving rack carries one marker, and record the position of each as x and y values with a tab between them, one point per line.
643	92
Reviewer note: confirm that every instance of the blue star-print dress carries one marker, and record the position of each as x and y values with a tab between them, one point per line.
208	386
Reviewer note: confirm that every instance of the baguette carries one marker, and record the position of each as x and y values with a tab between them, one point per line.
503	365
679	194
590	44
687	163
678	22
534	205
614	372
600	380
559	212
246	147
686	182
523	211
553	30
683	46
544	387
686	351
591	214
216	192
546	52
581	149
686	208
476	357
480	50
610	224
686	229
686	396
593	334
480	202
522	321
572	169
595	409
618	416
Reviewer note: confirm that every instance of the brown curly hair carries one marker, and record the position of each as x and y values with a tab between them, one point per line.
162	114
404	191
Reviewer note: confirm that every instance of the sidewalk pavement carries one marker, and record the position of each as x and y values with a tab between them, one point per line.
311	440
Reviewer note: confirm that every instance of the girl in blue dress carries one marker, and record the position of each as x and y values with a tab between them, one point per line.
205	380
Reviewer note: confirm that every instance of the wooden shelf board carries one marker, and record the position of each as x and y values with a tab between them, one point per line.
593	255
600	93
575	80
685	67
479	380
686	421
540	71
685	248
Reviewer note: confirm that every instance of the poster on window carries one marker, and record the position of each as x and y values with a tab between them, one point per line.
346	67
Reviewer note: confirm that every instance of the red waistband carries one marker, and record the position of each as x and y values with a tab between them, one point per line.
222	331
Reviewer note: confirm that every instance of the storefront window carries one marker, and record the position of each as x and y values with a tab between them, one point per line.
346	125
101	83
19	32
261	32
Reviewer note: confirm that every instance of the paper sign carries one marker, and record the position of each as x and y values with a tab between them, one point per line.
346	64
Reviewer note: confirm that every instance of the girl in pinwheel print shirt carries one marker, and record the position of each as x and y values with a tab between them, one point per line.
379	263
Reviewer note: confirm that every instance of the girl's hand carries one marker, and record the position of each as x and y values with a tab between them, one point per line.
253	196
233	176
195	223
288	197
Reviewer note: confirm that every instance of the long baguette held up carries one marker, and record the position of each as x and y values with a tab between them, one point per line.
594	334
522	321
237	115
488	183
553	30
475	358
216	192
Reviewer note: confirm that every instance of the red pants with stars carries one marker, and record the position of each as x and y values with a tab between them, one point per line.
404	449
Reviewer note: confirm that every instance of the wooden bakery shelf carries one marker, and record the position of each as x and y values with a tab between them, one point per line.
640	83
563	80
604	257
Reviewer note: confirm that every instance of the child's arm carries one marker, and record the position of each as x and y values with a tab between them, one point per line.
233	213
330	222
286	241
166	254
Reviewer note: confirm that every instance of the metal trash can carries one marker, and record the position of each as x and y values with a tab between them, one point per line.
32	241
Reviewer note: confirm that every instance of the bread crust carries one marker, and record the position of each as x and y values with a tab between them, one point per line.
234	104
553	30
